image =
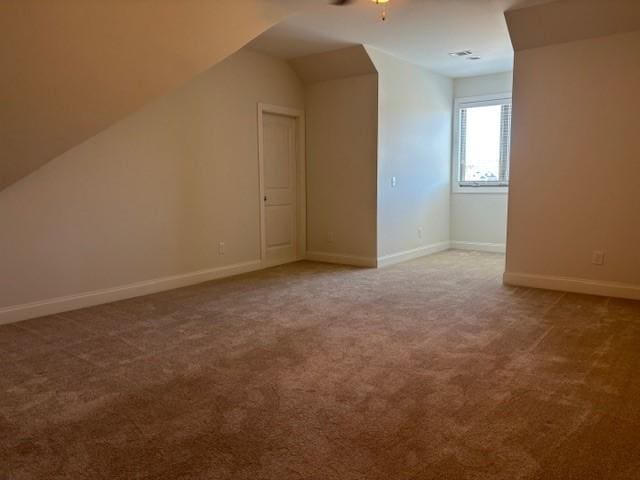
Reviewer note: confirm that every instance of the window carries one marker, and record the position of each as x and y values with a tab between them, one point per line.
482	144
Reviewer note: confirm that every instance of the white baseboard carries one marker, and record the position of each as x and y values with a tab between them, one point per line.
479	247
342	259
575	285
52	306
400	257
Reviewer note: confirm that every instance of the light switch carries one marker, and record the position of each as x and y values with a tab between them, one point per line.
597	258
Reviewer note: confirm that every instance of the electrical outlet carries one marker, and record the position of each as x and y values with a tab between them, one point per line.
394	182
330	238
221	248
597	258
419	232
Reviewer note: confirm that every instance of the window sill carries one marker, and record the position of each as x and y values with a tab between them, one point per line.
480	189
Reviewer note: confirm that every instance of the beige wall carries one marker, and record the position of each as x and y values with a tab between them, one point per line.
342	128
479	220
149	197
415	148
71	68
575	167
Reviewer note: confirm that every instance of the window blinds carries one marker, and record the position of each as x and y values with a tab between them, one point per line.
504	145
505	141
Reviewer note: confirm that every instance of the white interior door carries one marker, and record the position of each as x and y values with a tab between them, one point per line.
279	149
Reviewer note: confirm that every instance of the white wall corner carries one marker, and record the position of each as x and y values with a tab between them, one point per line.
574	285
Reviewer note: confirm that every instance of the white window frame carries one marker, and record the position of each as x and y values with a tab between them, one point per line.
475	101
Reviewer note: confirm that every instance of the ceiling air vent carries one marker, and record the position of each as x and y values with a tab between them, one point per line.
461	53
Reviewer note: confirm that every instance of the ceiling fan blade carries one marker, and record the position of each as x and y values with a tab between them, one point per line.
341	2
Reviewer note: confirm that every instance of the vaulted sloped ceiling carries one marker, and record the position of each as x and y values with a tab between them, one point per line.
564	21
71	68
341	63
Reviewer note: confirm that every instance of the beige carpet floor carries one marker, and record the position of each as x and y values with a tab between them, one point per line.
426	370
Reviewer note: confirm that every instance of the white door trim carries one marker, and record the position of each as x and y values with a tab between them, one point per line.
301	184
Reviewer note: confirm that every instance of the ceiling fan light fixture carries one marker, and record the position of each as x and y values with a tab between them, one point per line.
383	15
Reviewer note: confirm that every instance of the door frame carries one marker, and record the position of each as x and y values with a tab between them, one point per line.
301	179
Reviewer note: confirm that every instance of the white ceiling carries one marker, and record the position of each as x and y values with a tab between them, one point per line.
420	31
